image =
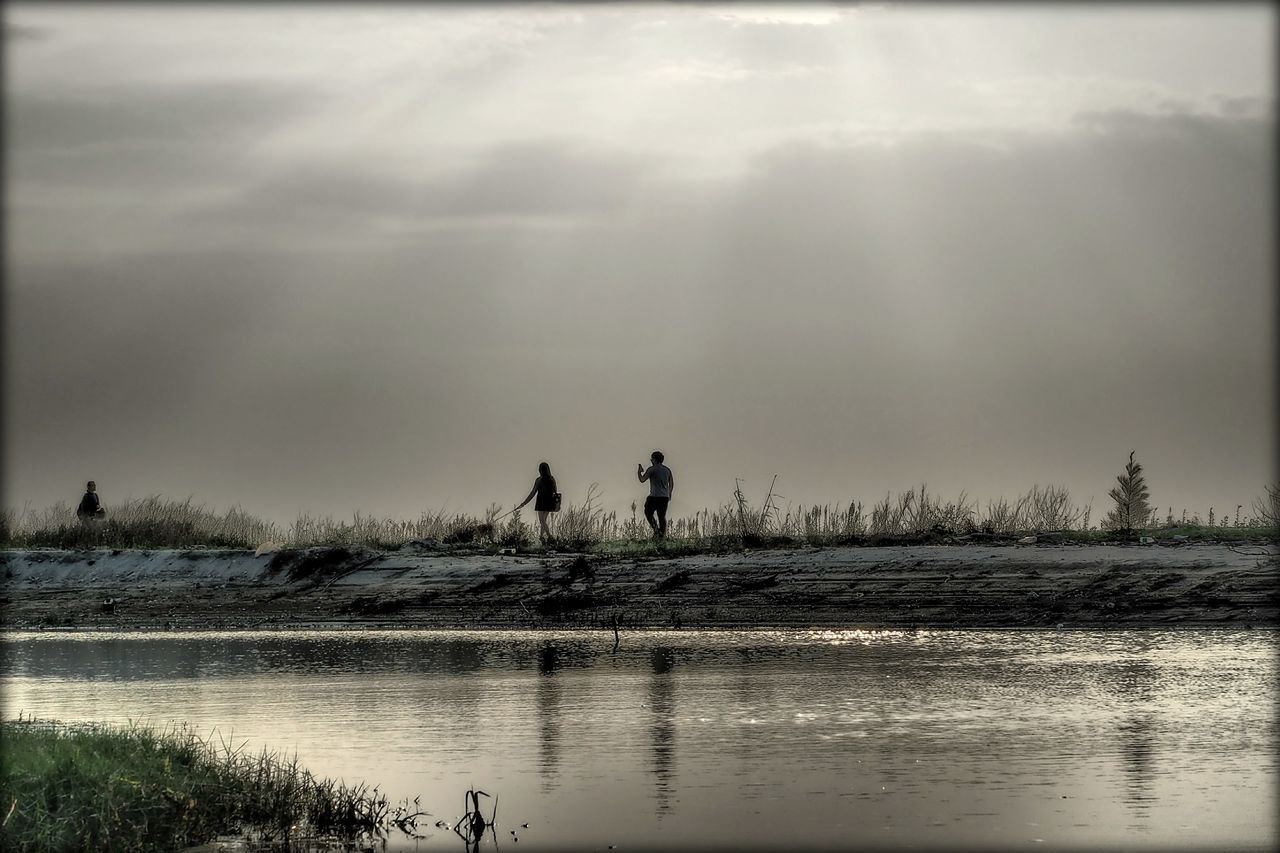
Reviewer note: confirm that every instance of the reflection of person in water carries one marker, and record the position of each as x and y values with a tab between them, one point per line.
663	730
1134	683
548	659
548	700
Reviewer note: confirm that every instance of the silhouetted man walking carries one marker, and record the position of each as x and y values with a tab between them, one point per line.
661	483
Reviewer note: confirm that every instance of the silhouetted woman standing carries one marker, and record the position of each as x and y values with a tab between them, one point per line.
548	501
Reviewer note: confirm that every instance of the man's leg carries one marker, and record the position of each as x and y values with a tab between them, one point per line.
662	517
649	505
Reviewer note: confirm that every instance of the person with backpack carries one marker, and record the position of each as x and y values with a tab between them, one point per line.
661	484
90	508
548	501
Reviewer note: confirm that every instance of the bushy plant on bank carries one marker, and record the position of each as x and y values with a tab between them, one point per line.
96	788
913	515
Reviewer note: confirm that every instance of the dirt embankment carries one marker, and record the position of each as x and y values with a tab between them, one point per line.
937	586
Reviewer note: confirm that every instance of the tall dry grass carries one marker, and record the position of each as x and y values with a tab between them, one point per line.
156	522
585	525
372	531
150	522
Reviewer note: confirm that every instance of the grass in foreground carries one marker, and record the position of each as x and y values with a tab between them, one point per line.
103	788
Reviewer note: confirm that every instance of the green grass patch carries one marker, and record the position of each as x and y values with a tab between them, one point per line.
94	787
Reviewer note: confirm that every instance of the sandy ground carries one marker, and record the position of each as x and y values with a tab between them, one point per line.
934	586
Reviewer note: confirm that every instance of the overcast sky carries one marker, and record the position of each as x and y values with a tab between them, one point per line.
333	258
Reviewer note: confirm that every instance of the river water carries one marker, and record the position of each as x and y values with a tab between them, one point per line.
934	740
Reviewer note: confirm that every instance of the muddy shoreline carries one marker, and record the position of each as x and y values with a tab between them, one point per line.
927	586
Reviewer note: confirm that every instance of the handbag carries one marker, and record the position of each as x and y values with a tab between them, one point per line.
555	502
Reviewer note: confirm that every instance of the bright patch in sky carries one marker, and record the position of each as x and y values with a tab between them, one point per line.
761	13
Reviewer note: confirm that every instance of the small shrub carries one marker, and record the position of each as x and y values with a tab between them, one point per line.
1131	511
1267	507
515	533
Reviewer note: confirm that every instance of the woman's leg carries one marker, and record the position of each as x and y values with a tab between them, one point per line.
545	533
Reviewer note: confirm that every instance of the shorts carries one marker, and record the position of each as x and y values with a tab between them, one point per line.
656	504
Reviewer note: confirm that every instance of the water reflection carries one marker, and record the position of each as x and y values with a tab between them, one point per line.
549	713
972	740
749	739
662	726
1135	684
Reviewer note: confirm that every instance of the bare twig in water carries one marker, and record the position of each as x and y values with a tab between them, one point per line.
471	826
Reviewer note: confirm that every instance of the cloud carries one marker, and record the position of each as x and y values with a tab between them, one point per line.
728	71
1244	106
797	15
533	179
546	176
1011	293
1175	121
98	346
26	33
207	114
462	257
1000	271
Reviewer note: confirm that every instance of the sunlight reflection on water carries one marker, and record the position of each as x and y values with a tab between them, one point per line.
750	739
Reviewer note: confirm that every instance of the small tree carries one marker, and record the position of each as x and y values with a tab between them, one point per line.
1130	494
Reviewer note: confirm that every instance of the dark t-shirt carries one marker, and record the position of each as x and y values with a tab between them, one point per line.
88	504
660	480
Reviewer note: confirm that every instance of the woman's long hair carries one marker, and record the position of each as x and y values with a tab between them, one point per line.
544	471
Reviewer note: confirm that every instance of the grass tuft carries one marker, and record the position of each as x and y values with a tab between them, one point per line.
92	787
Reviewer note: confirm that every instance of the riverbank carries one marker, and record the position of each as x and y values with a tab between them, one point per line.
927	586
